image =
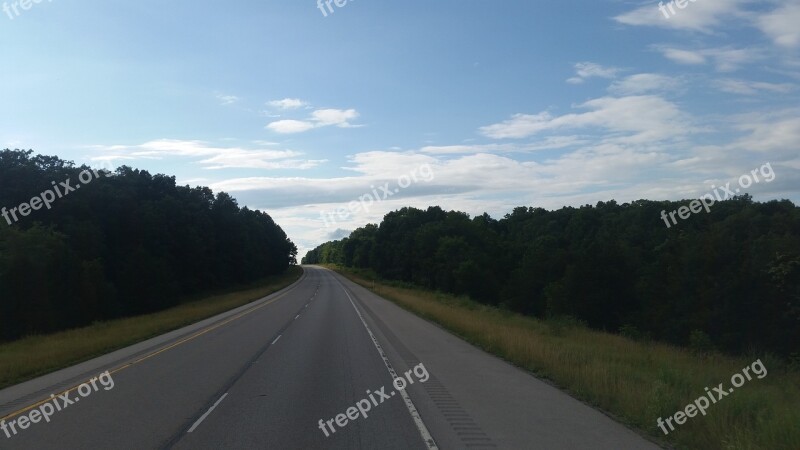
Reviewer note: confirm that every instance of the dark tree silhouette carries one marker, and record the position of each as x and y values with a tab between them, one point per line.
732	275
126	243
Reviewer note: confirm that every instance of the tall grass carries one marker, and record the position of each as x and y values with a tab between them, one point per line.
37	355
636	382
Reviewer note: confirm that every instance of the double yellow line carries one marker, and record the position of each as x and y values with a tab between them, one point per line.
157	352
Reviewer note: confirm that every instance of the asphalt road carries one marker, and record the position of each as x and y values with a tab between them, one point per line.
287	370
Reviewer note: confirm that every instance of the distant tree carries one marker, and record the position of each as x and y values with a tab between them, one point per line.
614	267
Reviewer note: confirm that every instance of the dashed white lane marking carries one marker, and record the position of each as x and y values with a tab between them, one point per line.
295	317
203	417
423	430
276	339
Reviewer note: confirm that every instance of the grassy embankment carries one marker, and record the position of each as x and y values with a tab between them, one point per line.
37	355
636	382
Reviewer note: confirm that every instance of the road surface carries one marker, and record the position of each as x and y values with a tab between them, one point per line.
286	371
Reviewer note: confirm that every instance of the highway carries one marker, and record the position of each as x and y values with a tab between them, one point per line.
286	371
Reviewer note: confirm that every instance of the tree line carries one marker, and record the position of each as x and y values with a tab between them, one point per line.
128	243
727	280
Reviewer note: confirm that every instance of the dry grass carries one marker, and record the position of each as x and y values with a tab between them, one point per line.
37	355
636	382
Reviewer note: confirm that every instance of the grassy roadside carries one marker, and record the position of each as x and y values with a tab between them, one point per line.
636	382
37	355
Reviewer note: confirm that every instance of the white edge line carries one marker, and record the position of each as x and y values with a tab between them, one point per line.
203	417
423	430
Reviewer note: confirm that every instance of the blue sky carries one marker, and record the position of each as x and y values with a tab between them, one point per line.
482	105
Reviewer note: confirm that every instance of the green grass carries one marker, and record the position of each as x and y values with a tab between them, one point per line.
33	356
635	382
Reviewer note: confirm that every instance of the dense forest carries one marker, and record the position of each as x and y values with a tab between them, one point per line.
124	243
727	280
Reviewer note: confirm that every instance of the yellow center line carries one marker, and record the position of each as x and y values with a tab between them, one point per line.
157	352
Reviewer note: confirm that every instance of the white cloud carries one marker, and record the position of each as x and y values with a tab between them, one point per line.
779	24
460	149
782	24
641	118
548	143
586	70
684	56
319	118
382	164
728	59
338	117
725	59
287	103
258	160
519	126
743	87
777	133
644	83
212	157
699	16
227	99
290	126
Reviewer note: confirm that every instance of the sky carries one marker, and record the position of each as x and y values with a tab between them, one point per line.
327	118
